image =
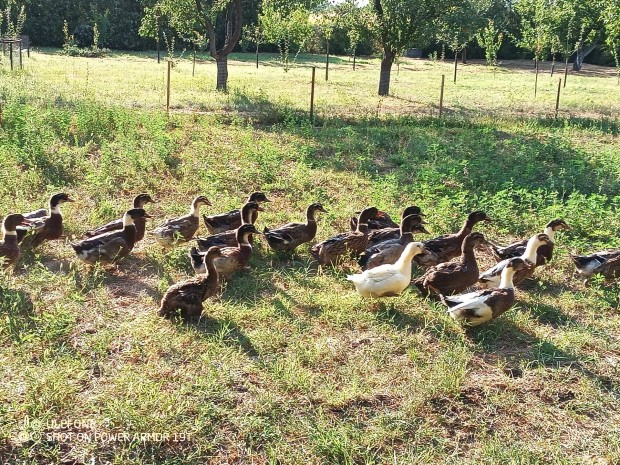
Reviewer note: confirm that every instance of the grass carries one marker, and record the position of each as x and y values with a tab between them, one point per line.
289	365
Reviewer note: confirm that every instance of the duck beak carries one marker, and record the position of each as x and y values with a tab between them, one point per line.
424	230
25	222
323	210
266	200
488	220
146	215
260	209
69	200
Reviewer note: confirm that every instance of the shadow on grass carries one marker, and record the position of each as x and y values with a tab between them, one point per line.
501	341
223	331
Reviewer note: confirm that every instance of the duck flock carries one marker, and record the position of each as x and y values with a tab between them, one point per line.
384	250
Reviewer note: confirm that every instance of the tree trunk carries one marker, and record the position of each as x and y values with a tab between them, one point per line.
222	72
327	62
464	55
386	69
581	54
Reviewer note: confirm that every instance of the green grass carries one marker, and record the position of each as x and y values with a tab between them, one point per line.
289	365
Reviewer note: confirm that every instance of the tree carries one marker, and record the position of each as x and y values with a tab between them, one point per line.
490	39
460	23
536	30
218	22
354	20
611	21
400	24
286	23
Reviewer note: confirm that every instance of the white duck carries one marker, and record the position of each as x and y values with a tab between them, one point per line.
389	279
479	307
491	278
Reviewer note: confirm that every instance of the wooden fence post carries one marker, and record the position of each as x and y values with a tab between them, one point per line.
327	63
168	88
443	81
557	100
312	95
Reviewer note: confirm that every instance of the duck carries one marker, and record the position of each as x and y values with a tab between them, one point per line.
231	220
387	280
139	201
46	226
112	246
249	214
605	263
186	298
233	258
544	253
288	237
390	250
182	228
352	242
475	308
446	247
9	245
382	220
454	276
492	277
376	236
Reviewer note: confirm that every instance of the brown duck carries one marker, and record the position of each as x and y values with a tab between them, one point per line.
9	246
475	308
138	202
390	250
383	221
185	298
46	226
249	214
231	220
286	238
544	254
233	258
377	236
349	243
445	248
454	276
182	228
111	246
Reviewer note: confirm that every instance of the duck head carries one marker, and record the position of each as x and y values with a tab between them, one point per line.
258	197
558	225
212	253
57	200
134	214
11	222
244	231
474	239
247	211
477	217
418	228
197	203
141	200
366	214
316	207
412	210
517	264
409	221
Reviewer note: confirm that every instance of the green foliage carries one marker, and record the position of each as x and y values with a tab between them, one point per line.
536	27
611	21
13	16
490	39
72	47
286	24
461	22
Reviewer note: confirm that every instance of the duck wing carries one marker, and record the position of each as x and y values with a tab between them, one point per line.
222	222
106	228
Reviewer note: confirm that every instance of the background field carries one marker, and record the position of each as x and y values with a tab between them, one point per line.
289	364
